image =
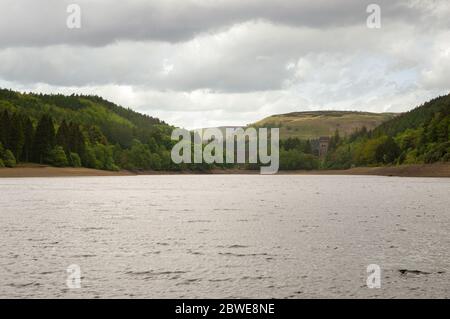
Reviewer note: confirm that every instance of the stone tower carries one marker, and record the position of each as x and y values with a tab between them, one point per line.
324	142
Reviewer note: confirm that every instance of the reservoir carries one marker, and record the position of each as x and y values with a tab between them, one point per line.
225	236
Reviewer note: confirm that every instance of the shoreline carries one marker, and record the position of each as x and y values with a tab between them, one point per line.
417	170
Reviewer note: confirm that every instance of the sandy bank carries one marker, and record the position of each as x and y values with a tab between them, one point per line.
47	171
425	170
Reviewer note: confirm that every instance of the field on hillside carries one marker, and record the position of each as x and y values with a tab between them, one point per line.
307	125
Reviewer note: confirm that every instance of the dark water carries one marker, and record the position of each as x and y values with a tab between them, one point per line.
225	236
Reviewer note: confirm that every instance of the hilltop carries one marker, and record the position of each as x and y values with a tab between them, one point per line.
313	124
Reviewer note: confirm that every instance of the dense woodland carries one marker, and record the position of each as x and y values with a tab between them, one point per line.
89	131
415	137
418	136
80	131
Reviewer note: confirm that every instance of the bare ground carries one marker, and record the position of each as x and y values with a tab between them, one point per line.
423	170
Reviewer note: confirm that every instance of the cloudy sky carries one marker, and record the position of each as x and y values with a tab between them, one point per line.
201	63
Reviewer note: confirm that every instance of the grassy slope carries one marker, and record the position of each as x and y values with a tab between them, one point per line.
306	125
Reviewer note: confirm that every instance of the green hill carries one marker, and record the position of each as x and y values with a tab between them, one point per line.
120	125
416	117
308	125
80	130
415	137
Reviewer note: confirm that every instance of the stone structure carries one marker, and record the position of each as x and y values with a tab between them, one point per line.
320	146
324	142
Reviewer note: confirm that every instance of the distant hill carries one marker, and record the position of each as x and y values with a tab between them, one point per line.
313	124
222	129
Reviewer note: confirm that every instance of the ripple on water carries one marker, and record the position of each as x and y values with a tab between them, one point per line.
252	236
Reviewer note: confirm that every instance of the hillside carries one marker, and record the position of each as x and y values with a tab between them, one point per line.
79	130
419	136
222	129
308	125
416	117
118	124
88	131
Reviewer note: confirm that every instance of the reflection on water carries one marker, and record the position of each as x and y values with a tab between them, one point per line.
224	236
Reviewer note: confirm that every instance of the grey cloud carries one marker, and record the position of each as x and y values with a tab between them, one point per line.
40	23
249	57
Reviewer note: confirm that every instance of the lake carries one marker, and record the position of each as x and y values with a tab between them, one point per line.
225	236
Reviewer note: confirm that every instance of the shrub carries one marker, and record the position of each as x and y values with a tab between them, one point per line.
436	152
9	160
90	159
74	160
411	157
57	157
294	159
114	168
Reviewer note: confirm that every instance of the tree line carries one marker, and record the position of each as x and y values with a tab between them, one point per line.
71	144
91	132
418	136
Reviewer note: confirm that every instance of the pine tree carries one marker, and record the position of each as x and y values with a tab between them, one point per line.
16	136
63	137
28	142
4	127
308	148
44	140
334	141
96	136
77	142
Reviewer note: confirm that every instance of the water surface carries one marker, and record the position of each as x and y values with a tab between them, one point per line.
224	236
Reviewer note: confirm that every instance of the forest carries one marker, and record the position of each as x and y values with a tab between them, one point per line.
88	131
78	131
419	136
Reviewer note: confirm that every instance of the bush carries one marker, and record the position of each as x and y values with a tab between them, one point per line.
100	156
155	161
90	159
387	151
114	168
446	157
293	159
1	163
436	152
74	160
341	158
9	160
57	157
